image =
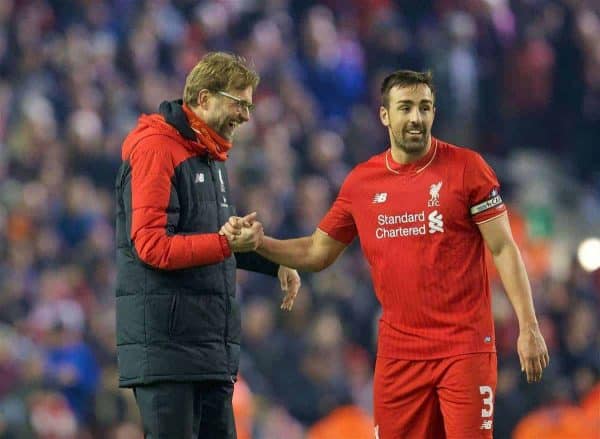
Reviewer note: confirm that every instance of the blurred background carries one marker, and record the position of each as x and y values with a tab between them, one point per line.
517	80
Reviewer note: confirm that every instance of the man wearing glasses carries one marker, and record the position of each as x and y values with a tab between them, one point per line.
178	323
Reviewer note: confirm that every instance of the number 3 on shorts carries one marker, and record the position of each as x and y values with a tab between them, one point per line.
488	401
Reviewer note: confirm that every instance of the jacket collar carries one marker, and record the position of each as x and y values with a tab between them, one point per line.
173	113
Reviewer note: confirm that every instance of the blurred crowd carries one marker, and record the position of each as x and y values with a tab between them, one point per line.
518	75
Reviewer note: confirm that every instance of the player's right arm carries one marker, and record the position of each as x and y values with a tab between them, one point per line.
318	251
309	253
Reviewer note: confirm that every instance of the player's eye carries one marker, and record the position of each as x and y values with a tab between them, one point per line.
246	106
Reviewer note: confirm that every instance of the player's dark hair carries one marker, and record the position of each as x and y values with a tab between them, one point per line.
404	78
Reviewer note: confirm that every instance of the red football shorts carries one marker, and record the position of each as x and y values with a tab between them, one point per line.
450	398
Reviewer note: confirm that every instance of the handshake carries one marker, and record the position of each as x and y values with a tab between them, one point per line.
244	234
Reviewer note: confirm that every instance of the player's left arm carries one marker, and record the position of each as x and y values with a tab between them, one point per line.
531	347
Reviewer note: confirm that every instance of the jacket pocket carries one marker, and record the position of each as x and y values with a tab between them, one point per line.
173	317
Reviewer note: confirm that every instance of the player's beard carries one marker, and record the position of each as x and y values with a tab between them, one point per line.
221	124
411	146
224	128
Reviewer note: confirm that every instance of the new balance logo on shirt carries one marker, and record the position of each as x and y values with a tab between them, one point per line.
380	197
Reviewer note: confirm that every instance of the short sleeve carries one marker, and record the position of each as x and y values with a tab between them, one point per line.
483	190
338	223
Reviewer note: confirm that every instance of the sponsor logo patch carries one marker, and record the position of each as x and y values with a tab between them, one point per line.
436	222
380	197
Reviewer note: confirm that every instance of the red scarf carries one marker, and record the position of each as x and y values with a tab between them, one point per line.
208	139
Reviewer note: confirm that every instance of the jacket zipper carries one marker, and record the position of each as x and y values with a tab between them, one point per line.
216	185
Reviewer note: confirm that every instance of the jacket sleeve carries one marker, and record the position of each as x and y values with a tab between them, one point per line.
155	214
252	261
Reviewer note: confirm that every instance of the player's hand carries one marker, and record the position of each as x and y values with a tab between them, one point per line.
243	233
290	284
232	228
248	220
533	353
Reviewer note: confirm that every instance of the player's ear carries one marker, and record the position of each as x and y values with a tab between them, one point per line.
384	116
203	97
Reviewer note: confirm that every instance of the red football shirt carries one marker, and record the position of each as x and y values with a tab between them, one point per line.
417	225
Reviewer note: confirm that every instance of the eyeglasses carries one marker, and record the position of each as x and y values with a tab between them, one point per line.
243	104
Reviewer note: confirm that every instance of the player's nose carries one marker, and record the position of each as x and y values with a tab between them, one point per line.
244	114
415	116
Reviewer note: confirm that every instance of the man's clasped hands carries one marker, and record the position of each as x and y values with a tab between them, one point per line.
243	233
246	234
